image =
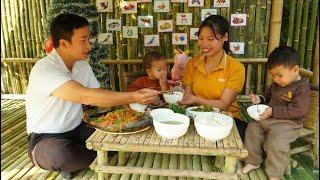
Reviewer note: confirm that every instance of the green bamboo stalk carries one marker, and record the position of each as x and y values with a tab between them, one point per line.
39	28
292	9
35	27
18	26
266	26
311	33
303	32
24	42
4	26
27	39
298	24
10	28
32	29
3	44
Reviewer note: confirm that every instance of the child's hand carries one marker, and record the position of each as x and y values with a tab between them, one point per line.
255	99
266	114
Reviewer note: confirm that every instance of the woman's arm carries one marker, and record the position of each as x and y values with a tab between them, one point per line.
227	97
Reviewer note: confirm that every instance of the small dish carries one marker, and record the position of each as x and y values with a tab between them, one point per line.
253	111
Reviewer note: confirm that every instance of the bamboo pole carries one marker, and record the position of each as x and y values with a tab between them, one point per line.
275	30
10	28
32	29
315	77
303	32
4	26
311	33
24	42
19	27
292	9
298	24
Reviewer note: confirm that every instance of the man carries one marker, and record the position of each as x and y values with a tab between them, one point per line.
58	86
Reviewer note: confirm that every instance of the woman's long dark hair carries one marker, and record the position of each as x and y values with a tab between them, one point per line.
218	25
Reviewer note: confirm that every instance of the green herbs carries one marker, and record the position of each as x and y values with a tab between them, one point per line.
204	109
177	109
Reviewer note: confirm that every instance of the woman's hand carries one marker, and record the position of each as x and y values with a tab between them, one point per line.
266	114
188	99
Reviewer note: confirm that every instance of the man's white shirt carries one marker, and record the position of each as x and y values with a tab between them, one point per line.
49	114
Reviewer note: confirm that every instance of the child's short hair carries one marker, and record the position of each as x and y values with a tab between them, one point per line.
283	55
151	57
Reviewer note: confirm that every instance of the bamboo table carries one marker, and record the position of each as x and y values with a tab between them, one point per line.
231	148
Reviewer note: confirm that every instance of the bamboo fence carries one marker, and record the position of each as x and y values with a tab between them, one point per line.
23	37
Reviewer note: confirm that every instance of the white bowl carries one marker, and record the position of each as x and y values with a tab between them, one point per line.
253	111
213	126
193	114
173	98
171	126
160	112
138	107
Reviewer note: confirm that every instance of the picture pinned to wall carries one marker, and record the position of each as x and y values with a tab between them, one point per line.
151	40
195	3
104	5
145	21
161	6
179	38
143	1
128	7
207	12
165	26
130	32
184	19
194	33
238	19
221	3
178	1
114	24
237	47
105	38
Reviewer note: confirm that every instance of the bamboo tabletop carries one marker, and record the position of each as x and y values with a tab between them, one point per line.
150	141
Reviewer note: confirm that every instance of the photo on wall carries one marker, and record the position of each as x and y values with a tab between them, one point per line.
221	3
114	24
145	21
195	3
194	33
104	5
151	40
207	12
143	1
237	47
238	19
105	38
179	38
130	32
184	19
161	6
128	7
178	1
165	26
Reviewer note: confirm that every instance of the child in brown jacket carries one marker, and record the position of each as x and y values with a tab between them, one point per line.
288	99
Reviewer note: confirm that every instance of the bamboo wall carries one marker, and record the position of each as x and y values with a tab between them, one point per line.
22	26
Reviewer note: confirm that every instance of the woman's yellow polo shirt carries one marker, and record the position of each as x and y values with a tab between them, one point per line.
230	73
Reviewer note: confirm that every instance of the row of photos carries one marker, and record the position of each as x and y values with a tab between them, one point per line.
130	7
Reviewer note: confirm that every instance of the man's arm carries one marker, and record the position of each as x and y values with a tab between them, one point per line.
75	92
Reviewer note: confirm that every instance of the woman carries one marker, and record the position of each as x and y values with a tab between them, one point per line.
214	78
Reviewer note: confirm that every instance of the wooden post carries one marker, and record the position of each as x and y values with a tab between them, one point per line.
275	31
102	157
315	77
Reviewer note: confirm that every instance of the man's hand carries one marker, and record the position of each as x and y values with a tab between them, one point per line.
266	114
145	96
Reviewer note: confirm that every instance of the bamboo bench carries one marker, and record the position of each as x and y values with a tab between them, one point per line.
308	138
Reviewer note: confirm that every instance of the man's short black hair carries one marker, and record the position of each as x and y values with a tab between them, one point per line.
151	57
63	25
283	56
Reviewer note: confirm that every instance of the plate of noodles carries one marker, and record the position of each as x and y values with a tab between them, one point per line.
118	121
